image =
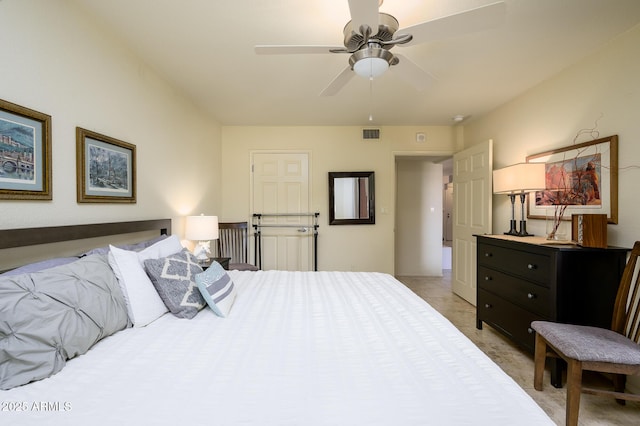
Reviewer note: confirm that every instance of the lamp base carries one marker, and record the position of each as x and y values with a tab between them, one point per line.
202	252
512	230
523	229
523	222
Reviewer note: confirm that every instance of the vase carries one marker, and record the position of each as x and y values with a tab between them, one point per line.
556	229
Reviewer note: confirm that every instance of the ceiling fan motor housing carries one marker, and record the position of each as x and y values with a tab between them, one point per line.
354	40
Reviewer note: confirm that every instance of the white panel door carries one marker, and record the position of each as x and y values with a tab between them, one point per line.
280	185
472	203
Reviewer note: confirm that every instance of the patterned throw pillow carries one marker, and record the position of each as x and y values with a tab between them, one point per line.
217	288
173	278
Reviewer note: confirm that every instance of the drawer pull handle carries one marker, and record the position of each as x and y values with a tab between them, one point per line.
487	278
531	296
530	330
488	255
532	266
487	305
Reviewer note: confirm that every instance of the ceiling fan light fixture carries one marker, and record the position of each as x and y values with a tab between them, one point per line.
371	62
370	67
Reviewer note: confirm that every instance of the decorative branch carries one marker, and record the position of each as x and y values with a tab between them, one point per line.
567	195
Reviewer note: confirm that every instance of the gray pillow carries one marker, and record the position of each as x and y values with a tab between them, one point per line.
51	316
40	266
174	280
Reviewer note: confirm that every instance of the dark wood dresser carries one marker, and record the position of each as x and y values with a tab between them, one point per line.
522	279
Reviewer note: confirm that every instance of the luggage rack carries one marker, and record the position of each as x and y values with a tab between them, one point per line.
258	225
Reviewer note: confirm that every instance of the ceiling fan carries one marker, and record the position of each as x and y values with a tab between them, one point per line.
370	34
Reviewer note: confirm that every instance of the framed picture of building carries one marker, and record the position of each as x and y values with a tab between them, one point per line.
25	153
106	169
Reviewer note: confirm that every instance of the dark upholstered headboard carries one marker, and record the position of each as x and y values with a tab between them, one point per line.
10	238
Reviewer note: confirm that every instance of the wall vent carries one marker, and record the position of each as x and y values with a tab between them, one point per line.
368	134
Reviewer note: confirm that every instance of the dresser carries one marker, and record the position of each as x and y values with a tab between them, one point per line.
523	279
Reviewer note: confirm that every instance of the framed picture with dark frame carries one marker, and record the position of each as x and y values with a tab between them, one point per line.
25	153
106	168
582	177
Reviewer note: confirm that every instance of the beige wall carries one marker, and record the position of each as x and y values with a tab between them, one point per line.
604	88
57	61
357	247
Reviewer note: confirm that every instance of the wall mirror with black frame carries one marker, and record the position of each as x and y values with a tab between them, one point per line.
351	198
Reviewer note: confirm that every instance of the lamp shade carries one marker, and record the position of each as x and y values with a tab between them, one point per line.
201	228
370	67
371	62
519	178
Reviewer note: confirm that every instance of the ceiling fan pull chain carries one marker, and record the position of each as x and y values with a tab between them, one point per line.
371	98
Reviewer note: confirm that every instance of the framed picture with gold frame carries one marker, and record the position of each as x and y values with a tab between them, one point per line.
106	168
582	177
25	153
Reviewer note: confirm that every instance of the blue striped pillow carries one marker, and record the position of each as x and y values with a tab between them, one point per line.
217	289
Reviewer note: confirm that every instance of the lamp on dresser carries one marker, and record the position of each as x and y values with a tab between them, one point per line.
519	179
202	229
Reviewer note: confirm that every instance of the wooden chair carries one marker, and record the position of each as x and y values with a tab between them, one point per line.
614	351
233	242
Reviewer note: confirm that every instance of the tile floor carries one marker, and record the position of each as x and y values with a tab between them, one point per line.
516	362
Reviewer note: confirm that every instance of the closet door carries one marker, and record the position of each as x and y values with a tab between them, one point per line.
280	184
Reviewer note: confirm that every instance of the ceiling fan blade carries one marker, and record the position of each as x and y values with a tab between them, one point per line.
364	12
294	50
338	83
469	21
412	73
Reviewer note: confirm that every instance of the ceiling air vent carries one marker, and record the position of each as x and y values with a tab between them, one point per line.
368	134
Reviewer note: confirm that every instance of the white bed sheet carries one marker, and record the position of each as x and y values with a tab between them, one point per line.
325	348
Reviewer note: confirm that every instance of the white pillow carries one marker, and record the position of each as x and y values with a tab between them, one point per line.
144	305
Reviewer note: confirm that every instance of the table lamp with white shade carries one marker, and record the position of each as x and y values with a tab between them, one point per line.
519	179
202	229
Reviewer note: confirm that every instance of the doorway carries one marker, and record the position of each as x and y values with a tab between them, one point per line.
421	217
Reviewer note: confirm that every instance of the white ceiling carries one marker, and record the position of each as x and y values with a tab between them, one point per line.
206	49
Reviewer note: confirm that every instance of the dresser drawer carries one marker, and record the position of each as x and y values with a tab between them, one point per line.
507	318
526	294
529	266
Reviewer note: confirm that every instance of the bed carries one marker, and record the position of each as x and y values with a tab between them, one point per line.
293	348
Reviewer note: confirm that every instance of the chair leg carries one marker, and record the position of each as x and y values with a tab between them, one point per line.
619	383
539	360
574	388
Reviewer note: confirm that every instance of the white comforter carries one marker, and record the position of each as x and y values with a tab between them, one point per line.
324	348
